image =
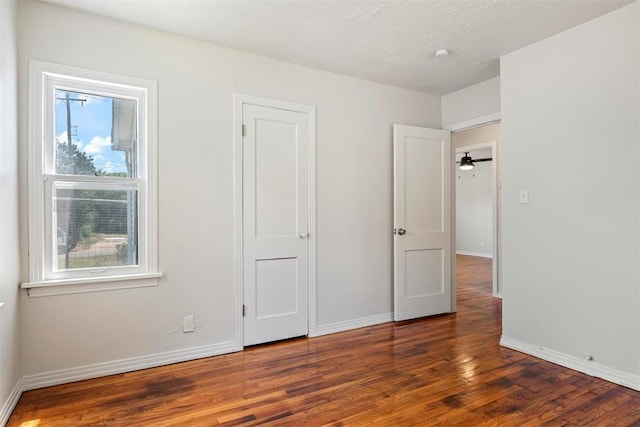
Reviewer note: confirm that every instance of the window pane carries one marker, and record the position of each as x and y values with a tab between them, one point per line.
103	133
95	228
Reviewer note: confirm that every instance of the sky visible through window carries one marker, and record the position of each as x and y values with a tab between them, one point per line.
91	123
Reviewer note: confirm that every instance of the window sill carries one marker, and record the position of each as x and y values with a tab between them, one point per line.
98	284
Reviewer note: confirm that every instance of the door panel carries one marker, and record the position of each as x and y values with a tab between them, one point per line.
275	222
423	273
422	164
422	215
276	178
276	287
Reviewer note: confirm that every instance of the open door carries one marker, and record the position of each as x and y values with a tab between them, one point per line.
422	222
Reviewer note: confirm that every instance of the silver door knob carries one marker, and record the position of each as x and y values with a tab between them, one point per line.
303	235
402	231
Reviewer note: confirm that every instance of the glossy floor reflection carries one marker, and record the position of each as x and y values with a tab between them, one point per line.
444	370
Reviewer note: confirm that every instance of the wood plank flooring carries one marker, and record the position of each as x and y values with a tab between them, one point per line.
444	370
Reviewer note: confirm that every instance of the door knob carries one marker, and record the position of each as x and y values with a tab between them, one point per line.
402	231
303	235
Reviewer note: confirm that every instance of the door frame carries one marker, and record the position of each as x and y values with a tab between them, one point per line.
459	127
493	144
239	100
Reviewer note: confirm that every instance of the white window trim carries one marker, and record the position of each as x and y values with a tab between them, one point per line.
42	77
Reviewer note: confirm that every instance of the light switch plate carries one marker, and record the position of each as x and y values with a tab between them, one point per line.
524	197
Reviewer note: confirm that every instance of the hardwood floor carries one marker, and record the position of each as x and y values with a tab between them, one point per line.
445	370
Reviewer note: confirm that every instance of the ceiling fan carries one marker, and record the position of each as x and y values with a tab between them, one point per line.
467	163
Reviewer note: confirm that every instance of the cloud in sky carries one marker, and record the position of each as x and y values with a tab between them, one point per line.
99	148
104	157
98	145
62	139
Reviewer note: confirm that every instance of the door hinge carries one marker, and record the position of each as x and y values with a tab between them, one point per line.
244	310
244	130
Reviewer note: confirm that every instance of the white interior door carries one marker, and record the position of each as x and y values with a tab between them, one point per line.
422	222
275	223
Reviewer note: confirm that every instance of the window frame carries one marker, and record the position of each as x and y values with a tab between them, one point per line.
44	79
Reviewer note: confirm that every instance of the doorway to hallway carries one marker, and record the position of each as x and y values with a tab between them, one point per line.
477	198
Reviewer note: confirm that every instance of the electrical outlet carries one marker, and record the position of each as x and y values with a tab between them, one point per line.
188	324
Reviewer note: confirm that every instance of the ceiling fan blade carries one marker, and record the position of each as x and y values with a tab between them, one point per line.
488	159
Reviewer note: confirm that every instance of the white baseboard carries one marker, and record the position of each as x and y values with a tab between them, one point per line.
480	254
588	367
347	325
11	402
46	379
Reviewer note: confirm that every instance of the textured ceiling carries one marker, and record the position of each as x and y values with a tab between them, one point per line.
390	41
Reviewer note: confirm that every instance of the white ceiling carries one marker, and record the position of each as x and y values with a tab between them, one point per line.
391	41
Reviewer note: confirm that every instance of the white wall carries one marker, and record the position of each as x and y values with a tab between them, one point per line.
571	256
10	371
196	82
481	100
474	210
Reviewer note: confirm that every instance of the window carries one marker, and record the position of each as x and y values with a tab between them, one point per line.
92	189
